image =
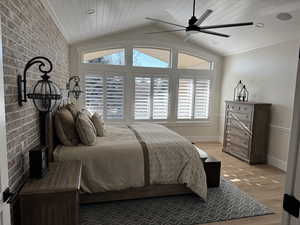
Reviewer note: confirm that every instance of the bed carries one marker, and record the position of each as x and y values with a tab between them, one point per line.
133	161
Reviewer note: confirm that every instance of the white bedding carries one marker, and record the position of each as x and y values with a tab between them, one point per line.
116	162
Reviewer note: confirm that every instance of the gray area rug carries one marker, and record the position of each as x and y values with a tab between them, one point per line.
224	203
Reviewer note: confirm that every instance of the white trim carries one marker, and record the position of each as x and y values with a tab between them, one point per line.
55	18
278	163
203	138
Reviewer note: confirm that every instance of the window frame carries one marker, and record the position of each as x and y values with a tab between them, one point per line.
173	73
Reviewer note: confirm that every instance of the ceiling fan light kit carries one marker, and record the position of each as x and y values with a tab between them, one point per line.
194	24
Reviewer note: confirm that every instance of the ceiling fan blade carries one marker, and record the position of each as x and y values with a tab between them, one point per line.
161	21
203	17
214	33
165	31
226	25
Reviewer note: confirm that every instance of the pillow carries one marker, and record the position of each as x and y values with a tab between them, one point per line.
87	112
73	109
85	129
98	123
65	127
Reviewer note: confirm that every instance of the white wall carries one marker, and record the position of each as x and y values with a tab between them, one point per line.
196	131
270	76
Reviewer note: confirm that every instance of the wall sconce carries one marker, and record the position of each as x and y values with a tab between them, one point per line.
45	94
75	90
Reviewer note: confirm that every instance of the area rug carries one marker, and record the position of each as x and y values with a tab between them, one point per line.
224	203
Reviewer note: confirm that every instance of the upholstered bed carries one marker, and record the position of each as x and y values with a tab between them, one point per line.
135	156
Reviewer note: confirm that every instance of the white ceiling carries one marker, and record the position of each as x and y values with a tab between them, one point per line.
112	16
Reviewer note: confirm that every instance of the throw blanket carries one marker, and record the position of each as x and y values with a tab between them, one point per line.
171	158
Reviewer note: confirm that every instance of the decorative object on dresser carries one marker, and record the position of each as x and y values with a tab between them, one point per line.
41	200
240	92
38	162
246	130
74	90
45	94
244	94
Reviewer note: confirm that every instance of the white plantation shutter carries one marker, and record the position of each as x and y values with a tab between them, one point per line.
94	93
105	94
202	92
142	98
185	99
160	98
114	98
193	98
151	98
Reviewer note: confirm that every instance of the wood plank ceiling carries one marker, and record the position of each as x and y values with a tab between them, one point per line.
112	16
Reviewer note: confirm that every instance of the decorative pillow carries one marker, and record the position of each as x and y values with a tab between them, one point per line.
65	127
98	123
73	109
87	112
85	129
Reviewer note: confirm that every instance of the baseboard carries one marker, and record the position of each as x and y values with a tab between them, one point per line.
203	138
278	163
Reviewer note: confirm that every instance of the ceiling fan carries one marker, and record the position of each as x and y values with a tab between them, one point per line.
194	25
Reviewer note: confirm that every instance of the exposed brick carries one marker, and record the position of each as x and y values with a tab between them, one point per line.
27	31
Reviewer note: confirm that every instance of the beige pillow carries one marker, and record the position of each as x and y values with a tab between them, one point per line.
85	129
87	112
73	109
98	123
65	127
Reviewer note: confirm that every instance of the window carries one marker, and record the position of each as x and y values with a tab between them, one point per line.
108	57
151	57
151	98
186	61
193	99
105	94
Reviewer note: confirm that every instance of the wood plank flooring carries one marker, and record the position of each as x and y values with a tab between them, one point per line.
263	182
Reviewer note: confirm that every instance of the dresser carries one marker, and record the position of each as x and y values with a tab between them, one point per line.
54	199
246	130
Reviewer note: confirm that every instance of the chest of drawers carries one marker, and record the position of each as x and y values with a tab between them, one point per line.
246	130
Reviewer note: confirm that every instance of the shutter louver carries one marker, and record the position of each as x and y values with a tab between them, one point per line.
160	98
142	98
185	99
202	90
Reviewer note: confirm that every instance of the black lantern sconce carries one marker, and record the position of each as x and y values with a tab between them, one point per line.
75	91
45	94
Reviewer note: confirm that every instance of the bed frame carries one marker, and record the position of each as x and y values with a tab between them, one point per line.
131	193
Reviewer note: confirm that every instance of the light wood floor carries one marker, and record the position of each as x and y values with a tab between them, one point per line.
263	182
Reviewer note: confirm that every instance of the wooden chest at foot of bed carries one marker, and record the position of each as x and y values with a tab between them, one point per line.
212	169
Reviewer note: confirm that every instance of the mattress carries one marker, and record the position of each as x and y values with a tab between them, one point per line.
136	155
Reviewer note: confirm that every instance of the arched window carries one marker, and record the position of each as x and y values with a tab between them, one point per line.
108	57
187	61
151	57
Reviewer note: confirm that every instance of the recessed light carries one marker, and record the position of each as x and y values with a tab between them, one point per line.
284	16
91	11
260	25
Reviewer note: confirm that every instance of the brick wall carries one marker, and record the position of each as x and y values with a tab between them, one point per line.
27	31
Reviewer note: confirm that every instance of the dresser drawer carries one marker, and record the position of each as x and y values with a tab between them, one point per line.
236	131
246	126
238	141
239	116
242	108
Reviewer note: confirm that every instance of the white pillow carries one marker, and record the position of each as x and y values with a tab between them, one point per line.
98	123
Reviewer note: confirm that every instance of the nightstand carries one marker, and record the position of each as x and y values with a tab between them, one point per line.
54	199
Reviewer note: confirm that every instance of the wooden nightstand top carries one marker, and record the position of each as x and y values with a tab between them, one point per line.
61	177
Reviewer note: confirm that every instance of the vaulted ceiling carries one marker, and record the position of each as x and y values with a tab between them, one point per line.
112	16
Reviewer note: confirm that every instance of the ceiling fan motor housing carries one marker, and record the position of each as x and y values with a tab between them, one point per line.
193	20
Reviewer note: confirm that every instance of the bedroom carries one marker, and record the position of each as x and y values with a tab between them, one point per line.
170	79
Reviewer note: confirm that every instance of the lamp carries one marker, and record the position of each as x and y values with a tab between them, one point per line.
45	94
75	91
